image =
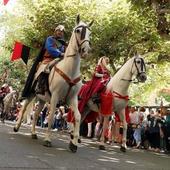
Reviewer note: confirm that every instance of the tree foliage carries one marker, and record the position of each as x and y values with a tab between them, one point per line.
121	28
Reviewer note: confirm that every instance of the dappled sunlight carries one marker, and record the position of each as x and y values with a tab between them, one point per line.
115	146
111	152
103	151
24	133
61	149
137	150
130	162
64	140
49	154
109	159
85	144
162	155
32	156
92	147
88	141
12	138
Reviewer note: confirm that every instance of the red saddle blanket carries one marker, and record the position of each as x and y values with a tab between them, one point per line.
106	108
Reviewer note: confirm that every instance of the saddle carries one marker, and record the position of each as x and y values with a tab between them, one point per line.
41	85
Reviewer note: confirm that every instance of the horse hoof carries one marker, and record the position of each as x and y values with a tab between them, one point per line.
34	136
102	147
47	143
79	140
123	149
72	147
71	136
3	121
15	129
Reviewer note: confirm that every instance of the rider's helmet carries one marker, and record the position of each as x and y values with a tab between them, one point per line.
60	28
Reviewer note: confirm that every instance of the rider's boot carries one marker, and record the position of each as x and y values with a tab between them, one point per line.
42	81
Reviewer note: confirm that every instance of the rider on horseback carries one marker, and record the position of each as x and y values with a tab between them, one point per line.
93	87
52	52
97	84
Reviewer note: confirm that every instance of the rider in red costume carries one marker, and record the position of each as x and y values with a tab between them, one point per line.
97	84
99	80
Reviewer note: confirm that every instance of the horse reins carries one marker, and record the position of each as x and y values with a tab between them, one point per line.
143	67
83	33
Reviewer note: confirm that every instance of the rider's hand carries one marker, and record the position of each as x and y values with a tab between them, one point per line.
98	75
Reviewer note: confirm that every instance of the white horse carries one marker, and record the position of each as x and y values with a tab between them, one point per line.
64	83
118	86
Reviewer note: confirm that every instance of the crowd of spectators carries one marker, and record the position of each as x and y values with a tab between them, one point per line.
147	129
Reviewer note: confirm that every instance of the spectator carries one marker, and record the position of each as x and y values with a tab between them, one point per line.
154	132
43	115
167	130
132	126
138	129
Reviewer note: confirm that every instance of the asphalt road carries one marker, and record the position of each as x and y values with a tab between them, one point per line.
19	152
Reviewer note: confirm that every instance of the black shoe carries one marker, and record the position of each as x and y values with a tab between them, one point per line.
80	98
22	98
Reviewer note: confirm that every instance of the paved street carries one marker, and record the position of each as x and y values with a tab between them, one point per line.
19	152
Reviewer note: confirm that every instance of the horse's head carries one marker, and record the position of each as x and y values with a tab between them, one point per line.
82	35
139	68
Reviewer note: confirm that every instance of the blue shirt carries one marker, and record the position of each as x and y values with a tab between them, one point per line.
53	48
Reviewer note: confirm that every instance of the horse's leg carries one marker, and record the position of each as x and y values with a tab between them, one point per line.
105	127
86	111
83	116
21	114
35	118
6	111
4	114
98	127
77	116
110	132
53	102
123	119
71	125
2	111
1	108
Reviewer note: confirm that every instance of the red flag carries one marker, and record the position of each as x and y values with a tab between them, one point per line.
20	51
5	2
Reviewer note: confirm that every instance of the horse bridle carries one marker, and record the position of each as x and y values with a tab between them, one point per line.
143	68
82	38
